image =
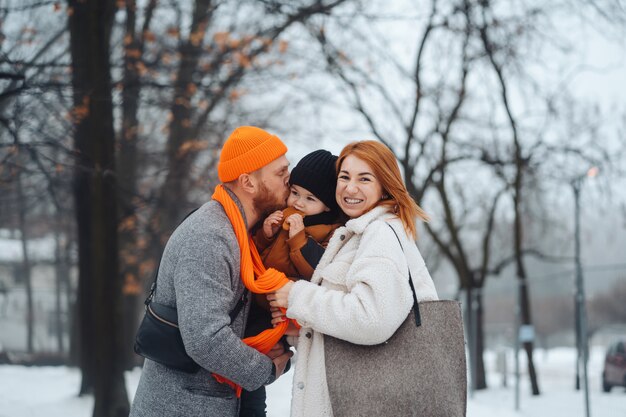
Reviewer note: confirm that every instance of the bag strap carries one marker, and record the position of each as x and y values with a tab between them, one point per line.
416	307
156	271
233	314
242	301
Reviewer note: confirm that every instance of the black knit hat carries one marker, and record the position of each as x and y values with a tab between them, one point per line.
316	172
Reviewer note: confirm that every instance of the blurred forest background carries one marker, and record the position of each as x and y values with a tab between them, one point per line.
505	116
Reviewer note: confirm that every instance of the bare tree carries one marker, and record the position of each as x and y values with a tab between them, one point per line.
128	167
26	266
184	64
23	81
450	112
520	162
429	154
190	76
102	356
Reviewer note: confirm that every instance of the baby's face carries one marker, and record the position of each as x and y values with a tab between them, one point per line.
303	200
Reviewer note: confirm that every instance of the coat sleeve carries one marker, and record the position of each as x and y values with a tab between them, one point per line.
204	298
261	241
304	253
378	296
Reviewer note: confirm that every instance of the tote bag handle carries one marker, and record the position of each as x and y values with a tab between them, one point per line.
416	307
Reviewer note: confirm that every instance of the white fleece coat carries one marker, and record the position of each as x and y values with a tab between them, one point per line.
360	293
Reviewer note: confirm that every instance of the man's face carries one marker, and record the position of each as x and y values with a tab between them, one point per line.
273	189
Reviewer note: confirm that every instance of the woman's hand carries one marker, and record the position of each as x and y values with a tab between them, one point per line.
281	297
278	317
272	223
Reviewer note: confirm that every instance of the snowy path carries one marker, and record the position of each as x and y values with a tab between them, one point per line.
51	392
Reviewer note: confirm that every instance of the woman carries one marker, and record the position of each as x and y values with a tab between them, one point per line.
360	289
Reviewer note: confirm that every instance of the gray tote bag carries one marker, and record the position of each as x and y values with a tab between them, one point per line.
419	371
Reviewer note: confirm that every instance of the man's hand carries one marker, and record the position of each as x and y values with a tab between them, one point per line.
277	350
296	224
280	362
272	223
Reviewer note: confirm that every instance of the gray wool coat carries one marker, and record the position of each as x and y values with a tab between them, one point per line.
199	275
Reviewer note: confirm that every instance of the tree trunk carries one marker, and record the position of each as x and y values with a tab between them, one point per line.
90	25
481	381
468	280
174	190
469	332
26	275
528	346
127	175
475	336
60	272
520	166
72	297
83	312
521	273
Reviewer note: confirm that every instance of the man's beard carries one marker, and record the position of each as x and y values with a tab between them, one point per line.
266	202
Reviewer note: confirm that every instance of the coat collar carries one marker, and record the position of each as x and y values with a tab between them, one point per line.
238	204
358	225
354	226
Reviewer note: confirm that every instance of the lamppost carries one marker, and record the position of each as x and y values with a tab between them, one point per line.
582	346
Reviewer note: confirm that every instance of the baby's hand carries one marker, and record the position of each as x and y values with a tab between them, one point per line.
296	224
272	223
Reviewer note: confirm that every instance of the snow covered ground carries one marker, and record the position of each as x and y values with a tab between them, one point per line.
51	391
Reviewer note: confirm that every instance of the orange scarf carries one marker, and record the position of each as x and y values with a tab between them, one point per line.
267	281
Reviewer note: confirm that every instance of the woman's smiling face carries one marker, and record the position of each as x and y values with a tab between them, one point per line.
358	190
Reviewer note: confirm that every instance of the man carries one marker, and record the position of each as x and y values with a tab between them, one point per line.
200	276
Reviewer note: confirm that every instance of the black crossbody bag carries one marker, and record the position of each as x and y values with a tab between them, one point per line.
158	336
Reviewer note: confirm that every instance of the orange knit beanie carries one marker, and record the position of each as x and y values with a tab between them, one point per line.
247	149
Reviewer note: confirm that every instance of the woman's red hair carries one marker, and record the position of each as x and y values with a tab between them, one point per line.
385	168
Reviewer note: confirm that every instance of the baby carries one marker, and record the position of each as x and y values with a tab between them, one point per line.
293	241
